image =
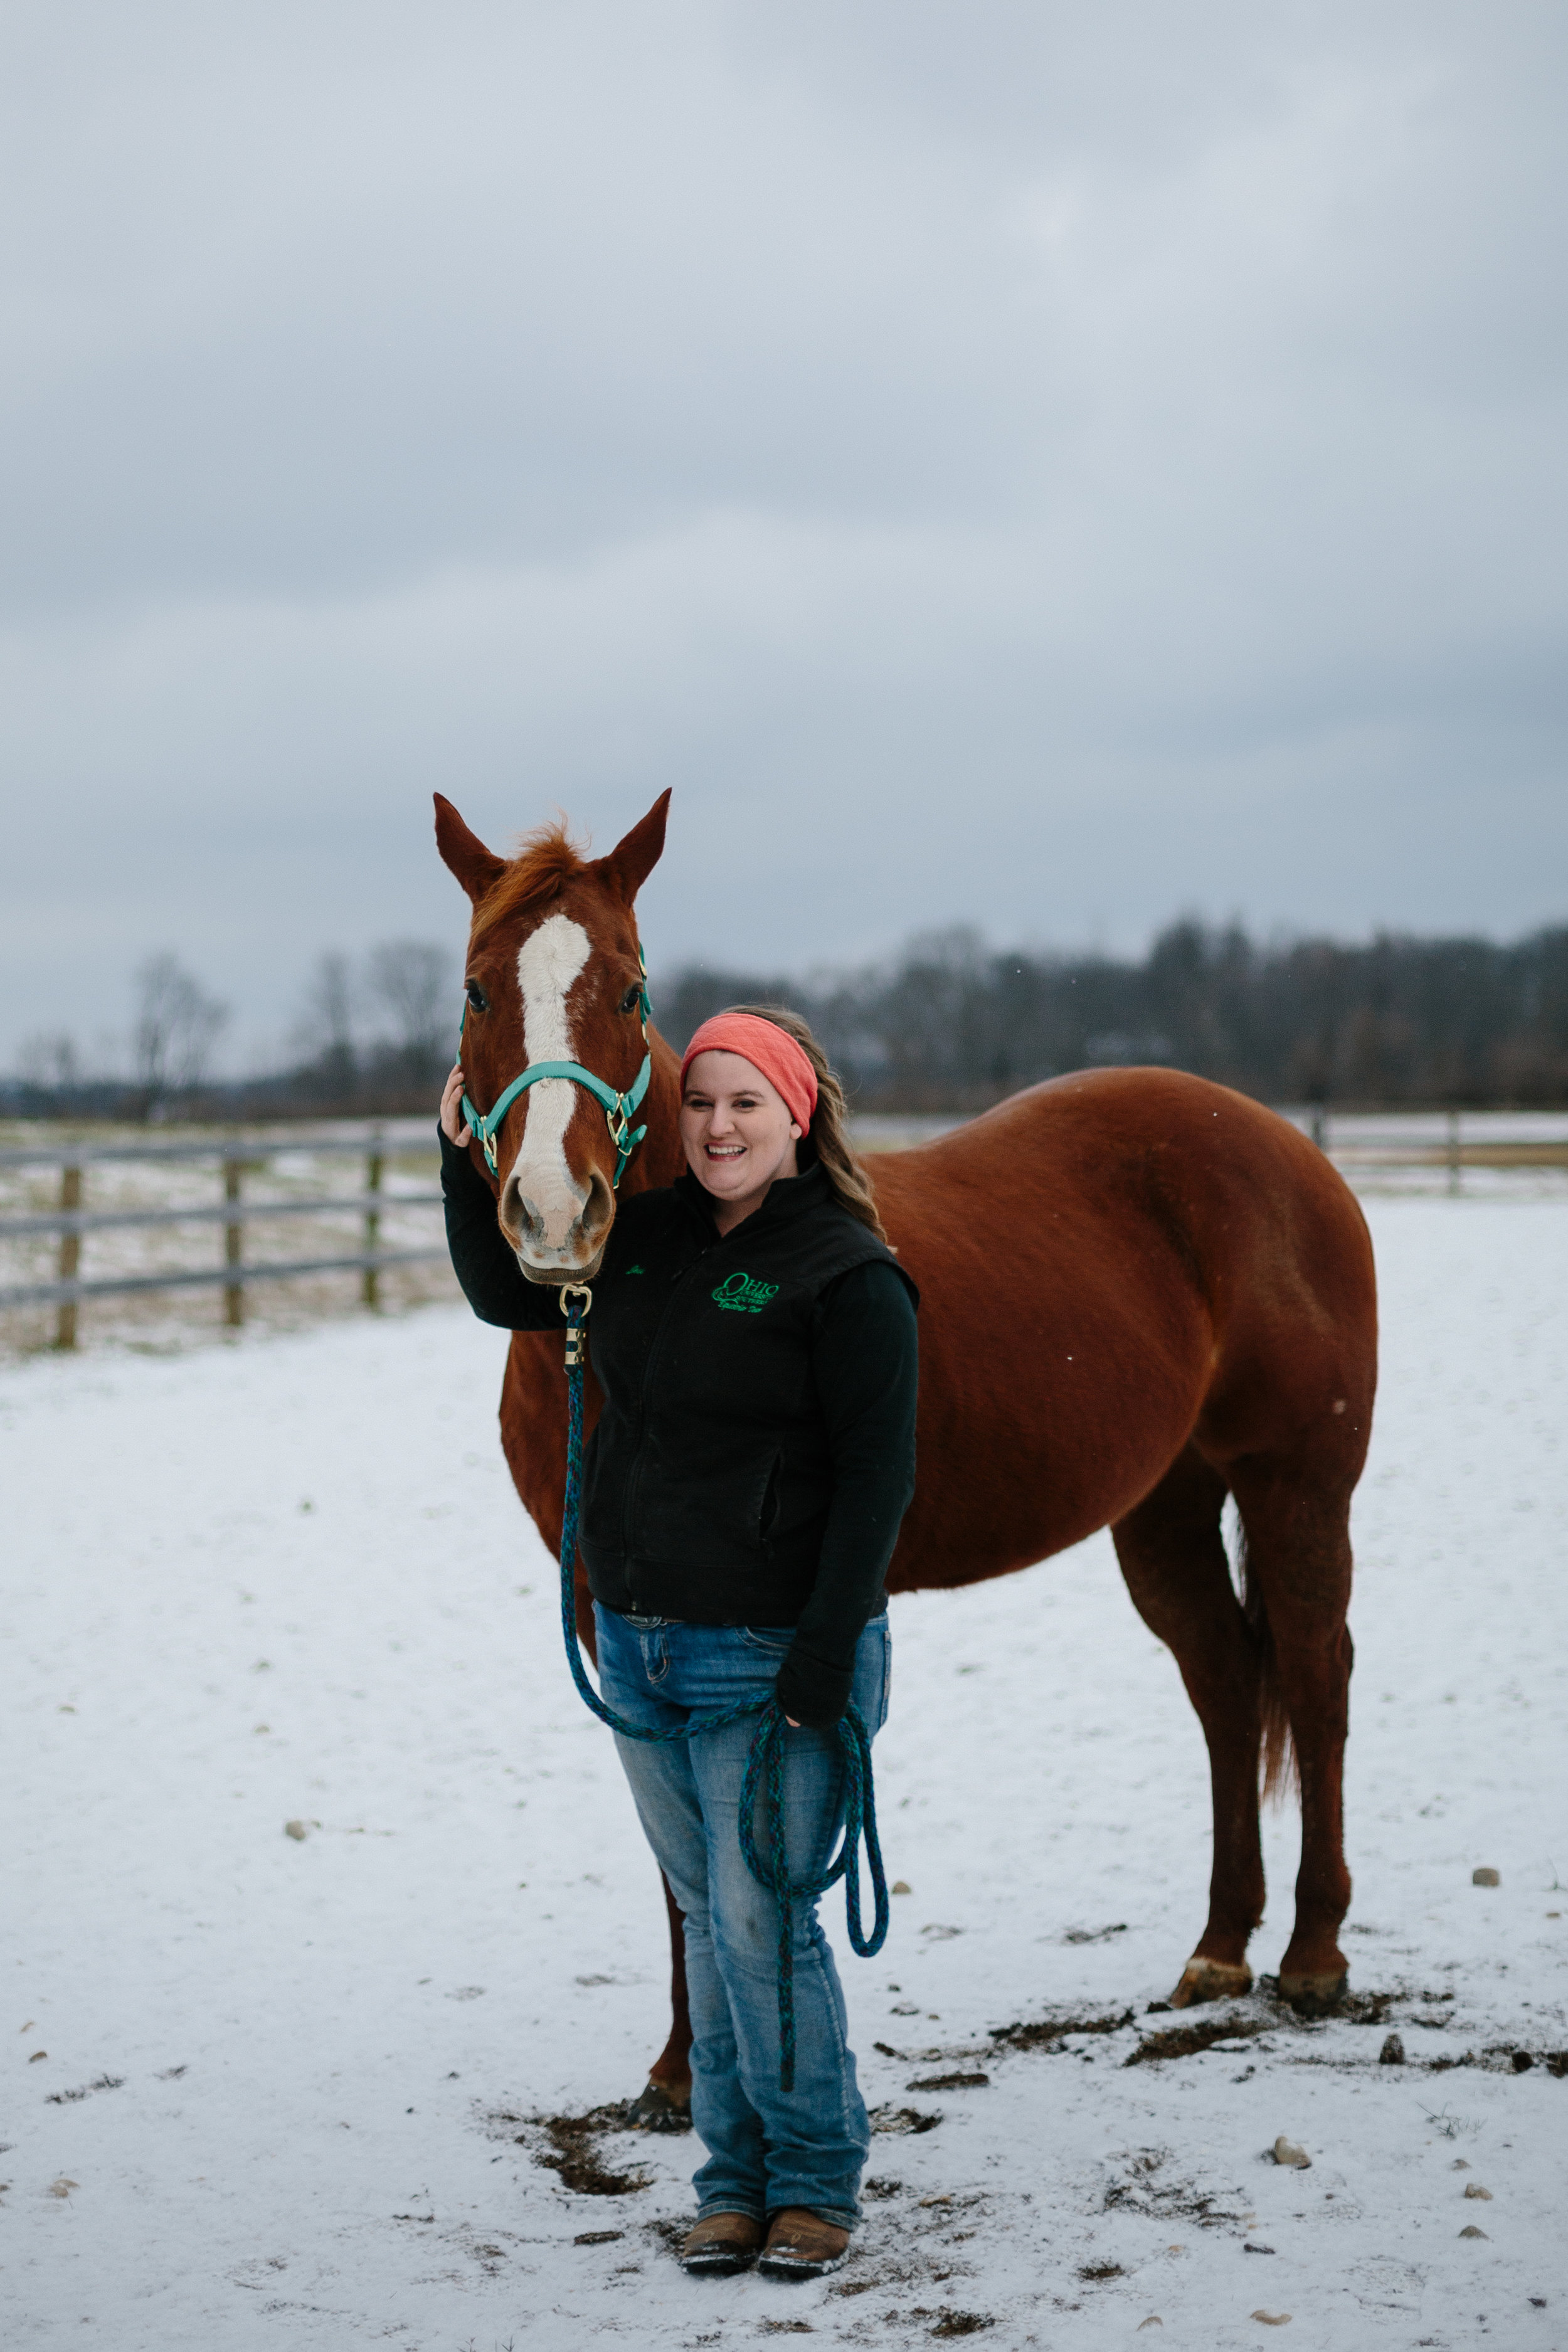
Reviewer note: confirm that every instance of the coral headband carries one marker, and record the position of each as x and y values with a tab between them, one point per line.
768	1048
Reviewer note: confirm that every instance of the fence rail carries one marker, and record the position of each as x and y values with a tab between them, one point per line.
88	1221
234	1158
231	1147
34	1293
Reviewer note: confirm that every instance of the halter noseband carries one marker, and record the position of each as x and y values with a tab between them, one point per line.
619	1108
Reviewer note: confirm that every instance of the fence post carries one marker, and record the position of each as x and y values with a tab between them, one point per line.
70	1257
233	1247
370	1291
1453	1151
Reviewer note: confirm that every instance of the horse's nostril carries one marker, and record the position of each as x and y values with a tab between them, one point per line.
598	1209
518	1214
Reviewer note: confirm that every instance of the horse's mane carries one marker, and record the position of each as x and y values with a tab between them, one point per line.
546	860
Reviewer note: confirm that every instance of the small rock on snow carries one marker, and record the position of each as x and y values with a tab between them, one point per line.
1391	2053
901	1886
1470	2231
1273	2318
1285	2151
299	1830
1484	1877
1474	2189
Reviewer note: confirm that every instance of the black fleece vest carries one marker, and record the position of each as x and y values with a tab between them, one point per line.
708	1477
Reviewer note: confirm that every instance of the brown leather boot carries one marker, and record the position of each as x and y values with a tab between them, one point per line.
721	2245
802	2245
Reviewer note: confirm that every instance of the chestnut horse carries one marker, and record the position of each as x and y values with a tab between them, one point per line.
1140	1293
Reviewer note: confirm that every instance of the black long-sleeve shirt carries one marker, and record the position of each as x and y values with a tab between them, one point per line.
755	1454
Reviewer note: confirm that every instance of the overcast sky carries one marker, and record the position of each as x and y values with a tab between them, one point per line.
1050	467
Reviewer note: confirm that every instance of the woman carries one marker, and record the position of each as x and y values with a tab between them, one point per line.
754	1341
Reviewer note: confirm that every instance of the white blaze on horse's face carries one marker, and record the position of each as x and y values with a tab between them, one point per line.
556	1221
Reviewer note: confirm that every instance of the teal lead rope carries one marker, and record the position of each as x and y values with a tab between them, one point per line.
764	1764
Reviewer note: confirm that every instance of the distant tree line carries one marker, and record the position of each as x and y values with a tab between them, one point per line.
952	1024
373	1036
949	1024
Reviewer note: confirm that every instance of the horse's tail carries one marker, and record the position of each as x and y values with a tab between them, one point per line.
1278	1769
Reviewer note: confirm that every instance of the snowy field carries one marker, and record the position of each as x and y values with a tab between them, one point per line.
265	2091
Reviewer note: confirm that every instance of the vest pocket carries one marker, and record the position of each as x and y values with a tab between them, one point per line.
768	1516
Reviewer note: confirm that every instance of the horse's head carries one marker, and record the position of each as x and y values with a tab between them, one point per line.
555	975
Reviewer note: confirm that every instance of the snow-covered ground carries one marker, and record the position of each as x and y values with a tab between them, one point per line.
288	2085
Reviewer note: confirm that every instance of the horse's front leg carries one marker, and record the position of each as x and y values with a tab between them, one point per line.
665	2104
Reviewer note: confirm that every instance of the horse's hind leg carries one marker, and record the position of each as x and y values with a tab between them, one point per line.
1173	1557
1299	1560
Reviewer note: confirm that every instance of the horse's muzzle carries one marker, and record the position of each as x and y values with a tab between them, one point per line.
561	1243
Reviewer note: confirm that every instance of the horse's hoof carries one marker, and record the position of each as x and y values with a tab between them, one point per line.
1314	1996
658	2110
1211	1980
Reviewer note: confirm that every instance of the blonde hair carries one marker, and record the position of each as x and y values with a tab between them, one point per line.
850	1185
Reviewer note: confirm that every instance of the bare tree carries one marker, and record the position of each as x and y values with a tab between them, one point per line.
177	1026
415	982
325	1028
50	1062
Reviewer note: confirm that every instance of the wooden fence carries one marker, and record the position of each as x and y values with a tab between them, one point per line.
233	1159
1365	1146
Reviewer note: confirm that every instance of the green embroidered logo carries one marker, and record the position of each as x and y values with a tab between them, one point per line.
743	1296
636	1269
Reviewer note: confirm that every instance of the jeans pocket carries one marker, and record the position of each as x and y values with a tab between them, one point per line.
773	1640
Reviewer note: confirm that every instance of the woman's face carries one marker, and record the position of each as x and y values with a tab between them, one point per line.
735	1127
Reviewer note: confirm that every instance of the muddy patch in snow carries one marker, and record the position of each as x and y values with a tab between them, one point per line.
567	2145
1143	2181
1202	2033
1049	2034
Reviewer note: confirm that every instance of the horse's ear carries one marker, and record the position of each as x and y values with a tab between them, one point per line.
631	861
476	867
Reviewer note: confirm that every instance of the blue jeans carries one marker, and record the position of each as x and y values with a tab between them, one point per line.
767	2149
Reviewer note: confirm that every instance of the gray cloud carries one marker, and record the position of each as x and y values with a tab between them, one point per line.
1030	465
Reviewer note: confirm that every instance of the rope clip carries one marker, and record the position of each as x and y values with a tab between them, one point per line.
576	1316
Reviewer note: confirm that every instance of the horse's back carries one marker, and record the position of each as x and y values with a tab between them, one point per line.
1113	1264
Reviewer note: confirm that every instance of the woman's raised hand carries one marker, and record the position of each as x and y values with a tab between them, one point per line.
454	1126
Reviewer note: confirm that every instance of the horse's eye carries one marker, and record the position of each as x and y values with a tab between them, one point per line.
478	998
631	999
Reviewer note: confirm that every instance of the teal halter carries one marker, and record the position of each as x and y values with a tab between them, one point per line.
619	1108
